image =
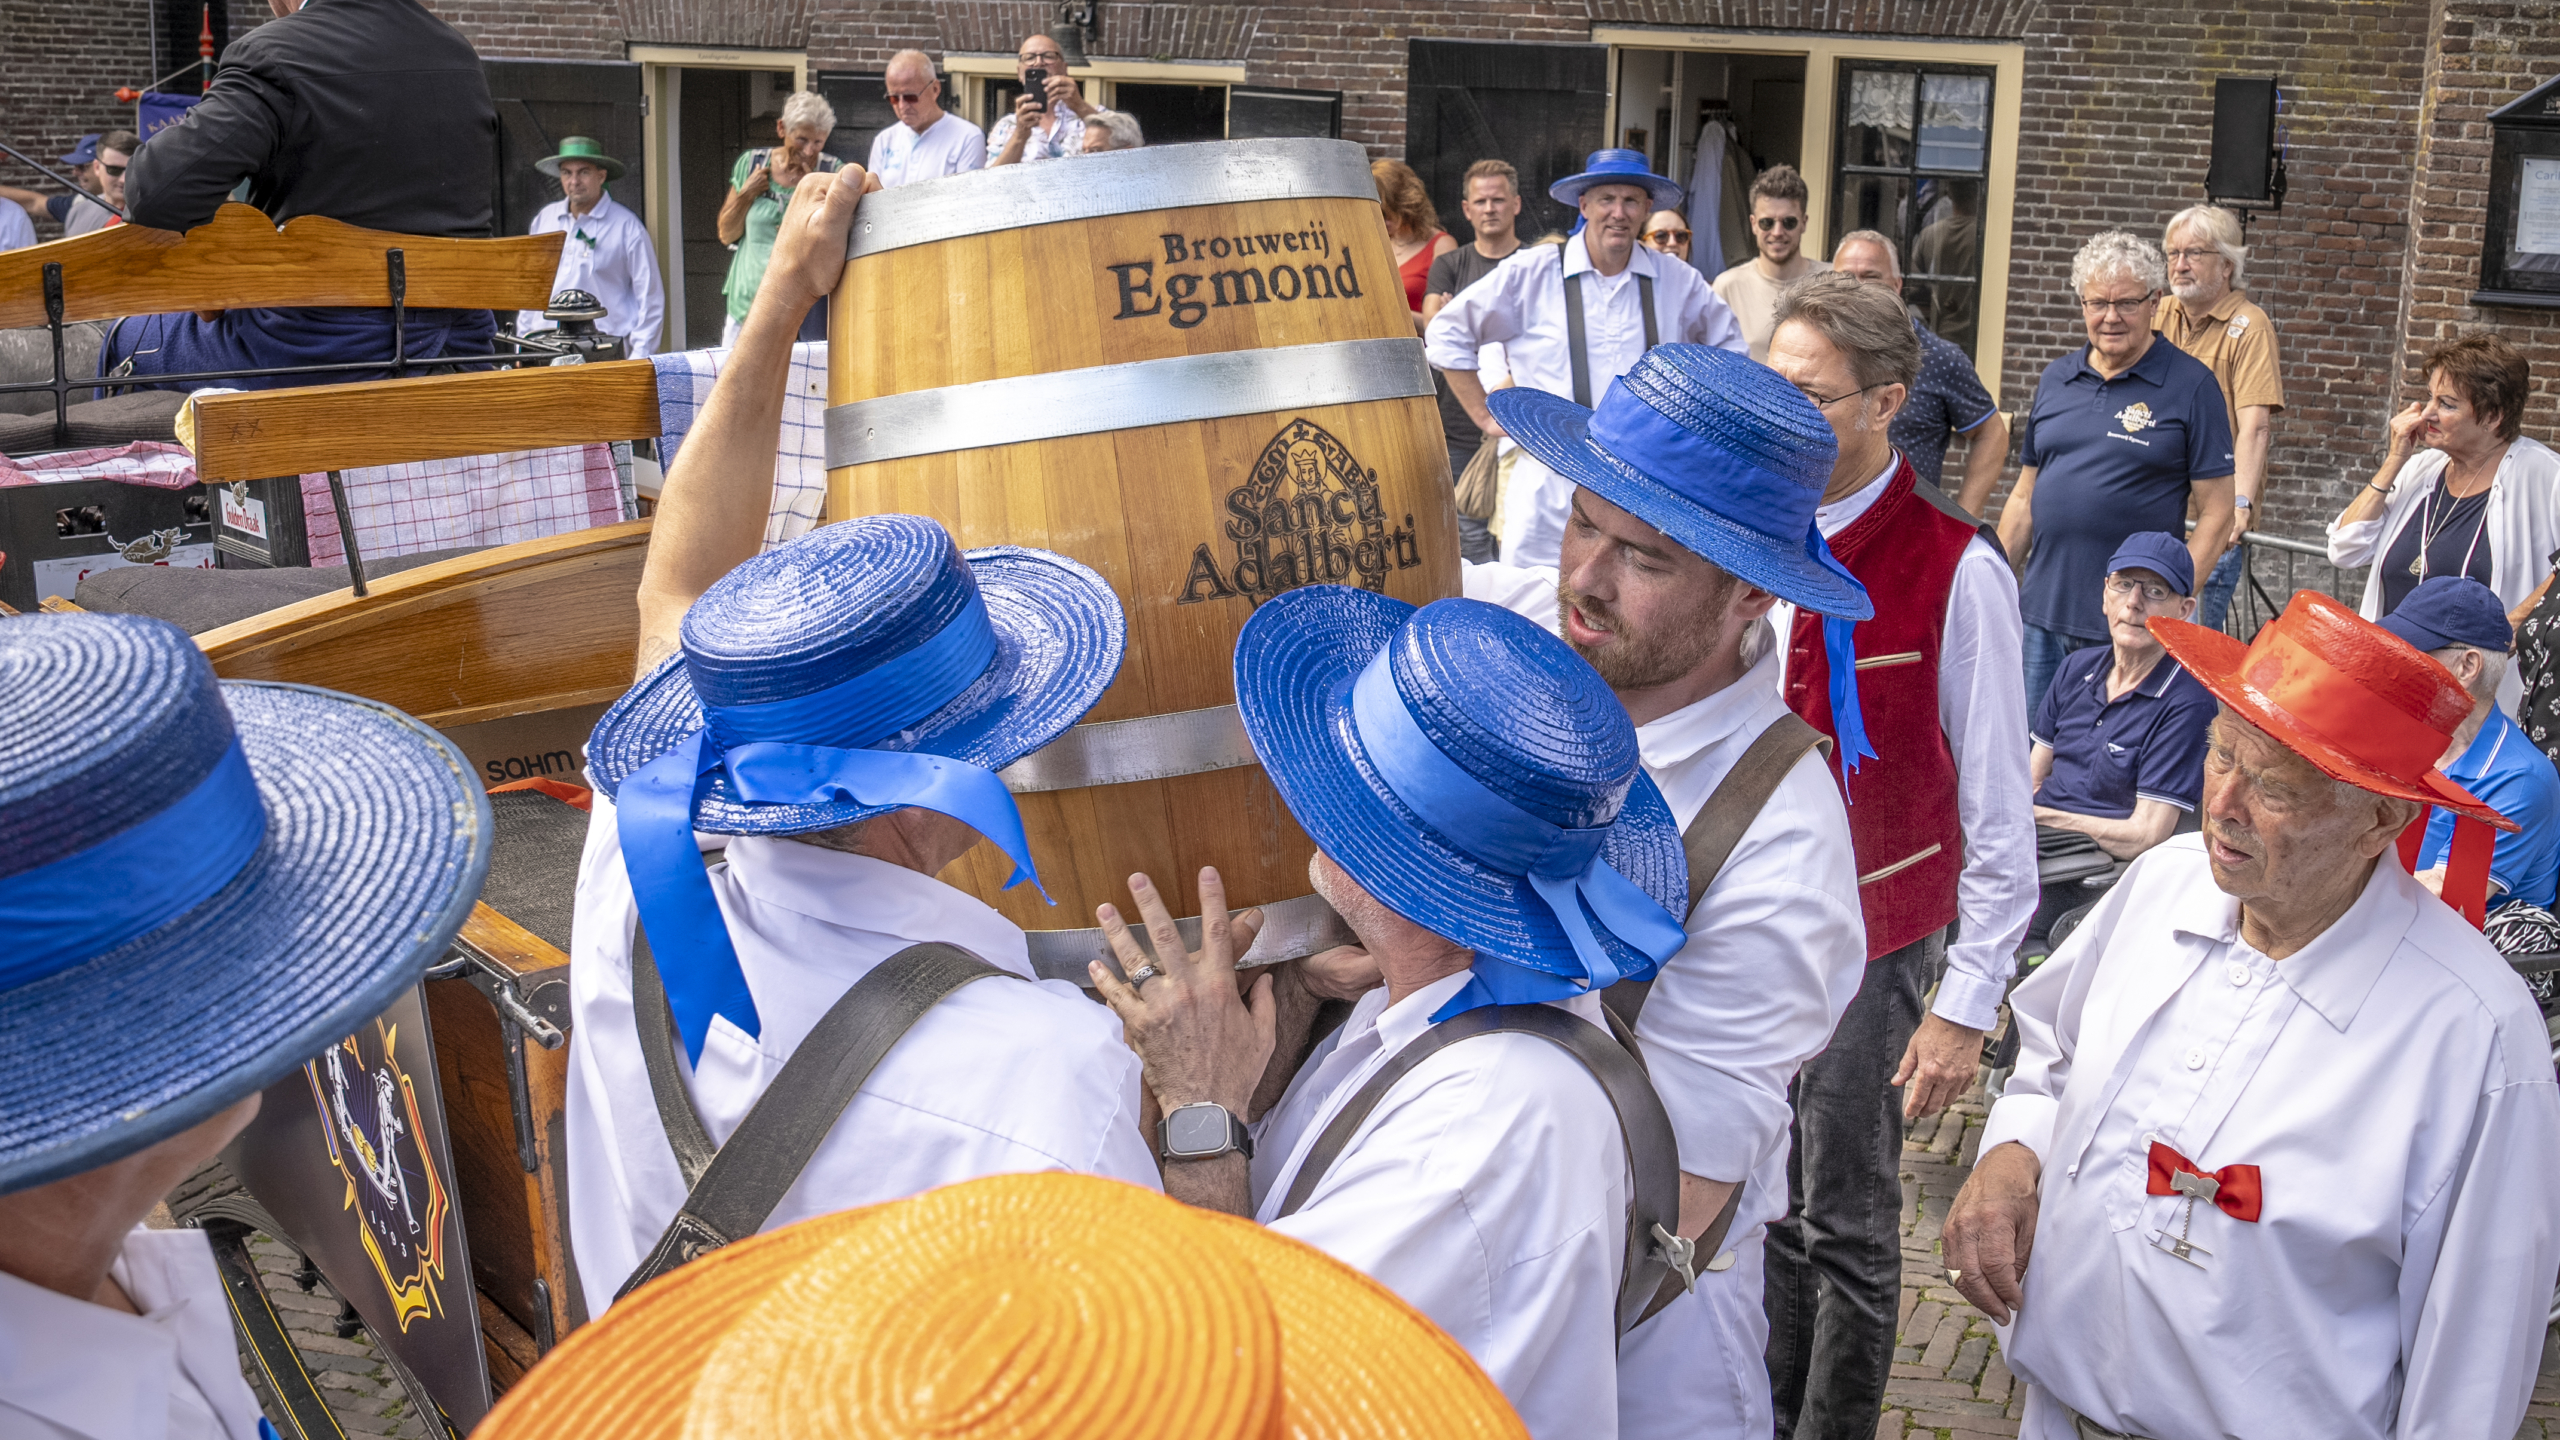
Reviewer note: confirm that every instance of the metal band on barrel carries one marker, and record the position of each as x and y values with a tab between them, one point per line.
1116	752
1176	390
1131	182
1290	928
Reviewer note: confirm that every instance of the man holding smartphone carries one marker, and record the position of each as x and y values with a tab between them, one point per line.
1048	117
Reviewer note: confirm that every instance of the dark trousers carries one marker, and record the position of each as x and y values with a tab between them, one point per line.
1835	1261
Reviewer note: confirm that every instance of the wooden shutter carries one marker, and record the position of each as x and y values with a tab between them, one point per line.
1273	114
861	104
1544	108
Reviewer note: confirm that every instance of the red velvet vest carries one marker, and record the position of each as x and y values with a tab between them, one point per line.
1902	804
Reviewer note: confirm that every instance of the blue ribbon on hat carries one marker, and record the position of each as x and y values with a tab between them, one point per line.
1563	866
134	881
1755	499
807	750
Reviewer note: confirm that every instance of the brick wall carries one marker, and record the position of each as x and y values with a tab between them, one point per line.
2491	52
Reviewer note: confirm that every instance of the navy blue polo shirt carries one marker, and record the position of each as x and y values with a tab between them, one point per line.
1947	400
2112	458
2146	744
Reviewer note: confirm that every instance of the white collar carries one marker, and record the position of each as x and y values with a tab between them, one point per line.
857	892
88	1369
1577	259
1670	739
2337	970
599	215
1398	1025
1841	514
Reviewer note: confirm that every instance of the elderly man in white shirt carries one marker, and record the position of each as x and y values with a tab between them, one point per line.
2283	1138
869	659
1619	297
928	142
1668	573
608	253
261	913
1496	868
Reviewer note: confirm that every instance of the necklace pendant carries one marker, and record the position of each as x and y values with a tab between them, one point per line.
2418	567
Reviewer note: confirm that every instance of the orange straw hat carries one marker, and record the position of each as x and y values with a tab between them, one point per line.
1049	1305
2357	701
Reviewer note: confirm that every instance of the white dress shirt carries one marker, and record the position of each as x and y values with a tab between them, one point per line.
900	155
999	1078
1521	306
2522	524
1777	949
1489	1188
1983	711
73	1370
2393	1083
609	256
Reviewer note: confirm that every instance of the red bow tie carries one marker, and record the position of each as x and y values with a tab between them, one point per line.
2233	1188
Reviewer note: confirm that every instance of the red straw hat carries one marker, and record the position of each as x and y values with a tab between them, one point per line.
2353	699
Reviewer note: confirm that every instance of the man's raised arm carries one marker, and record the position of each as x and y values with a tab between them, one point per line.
711	515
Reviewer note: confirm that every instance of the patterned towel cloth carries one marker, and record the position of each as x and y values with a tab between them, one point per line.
155	463
476	500
799	467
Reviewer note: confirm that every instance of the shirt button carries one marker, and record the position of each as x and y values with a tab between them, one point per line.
2195	1059
2150	1138
2238	972
2073	1172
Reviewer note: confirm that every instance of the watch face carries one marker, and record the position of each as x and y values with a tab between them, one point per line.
1196	1130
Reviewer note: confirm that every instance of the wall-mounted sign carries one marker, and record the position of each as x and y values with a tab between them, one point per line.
2520	251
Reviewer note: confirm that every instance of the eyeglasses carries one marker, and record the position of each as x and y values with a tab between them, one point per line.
1666	237
2206	253
1046	57
2118	307
897	97
2153	596
1826	402
1777	222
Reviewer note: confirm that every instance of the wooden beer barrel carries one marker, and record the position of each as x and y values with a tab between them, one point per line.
1192	369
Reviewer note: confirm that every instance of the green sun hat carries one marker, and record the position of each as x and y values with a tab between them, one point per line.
579	147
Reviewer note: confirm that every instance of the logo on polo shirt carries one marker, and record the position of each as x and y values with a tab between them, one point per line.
2135	418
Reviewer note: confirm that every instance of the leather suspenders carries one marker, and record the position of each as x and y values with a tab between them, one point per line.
1575	338
734	1187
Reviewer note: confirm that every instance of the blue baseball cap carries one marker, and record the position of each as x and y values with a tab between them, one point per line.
2452	610
84	152
2159	552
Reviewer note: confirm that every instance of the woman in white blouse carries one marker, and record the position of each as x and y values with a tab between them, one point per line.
2461	491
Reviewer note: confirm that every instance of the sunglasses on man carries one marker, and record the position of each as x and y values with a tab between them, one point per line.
1777	222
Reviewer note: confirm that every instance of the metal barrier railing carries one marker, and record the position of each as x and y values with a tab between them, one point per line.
2278	567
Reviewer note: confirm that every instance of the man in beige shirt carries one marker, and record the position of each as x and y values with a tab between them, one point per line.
2207	315
1777	224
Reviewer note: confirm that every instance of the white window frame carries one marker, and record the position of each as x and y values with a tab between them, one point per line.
969	75
1822	56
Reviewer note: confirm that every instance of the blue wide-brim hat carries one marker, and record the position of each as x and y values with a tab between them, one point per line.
1713	449
1617	167
1511	706
203	884
841	602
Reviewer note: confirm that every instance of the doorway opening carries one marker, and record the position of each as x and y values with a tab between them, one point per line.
1712	122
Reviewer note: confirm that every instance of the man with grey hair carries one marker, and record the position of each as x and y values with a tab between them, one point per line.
1108	130
2123	433
1941	829
1947	399
2209	317
2463	624
928	142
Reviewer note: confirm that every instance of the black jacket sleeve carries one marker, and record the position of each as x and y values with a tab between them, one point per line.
179	179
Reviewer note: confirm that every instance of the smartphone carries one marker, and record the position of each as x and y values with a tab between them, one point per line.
1035	83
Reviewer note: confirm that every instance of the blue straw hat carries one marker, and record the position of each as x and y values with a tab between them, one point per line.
1474	775
1617	167
863	668
1725	456
202	884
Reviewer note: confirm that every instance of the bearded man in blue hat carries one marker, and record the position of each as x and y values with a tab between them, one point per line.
1468	1136
1572	318
836	708
189	910
1697	482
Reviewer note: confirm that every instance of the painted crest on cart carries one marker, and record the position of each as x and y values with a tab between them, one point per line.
369	1114
1308	513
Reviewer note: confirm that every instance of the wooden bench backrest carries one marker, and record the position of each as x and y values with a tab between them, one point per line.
258	433
539	625
240	260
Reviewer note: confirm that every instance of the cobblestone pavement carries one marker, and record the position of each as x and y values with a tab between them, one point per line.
362	1392
1948	1381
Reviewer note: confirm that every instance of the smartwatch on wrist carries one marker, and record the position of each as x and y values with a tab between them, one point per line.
2242	502
1202	1130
